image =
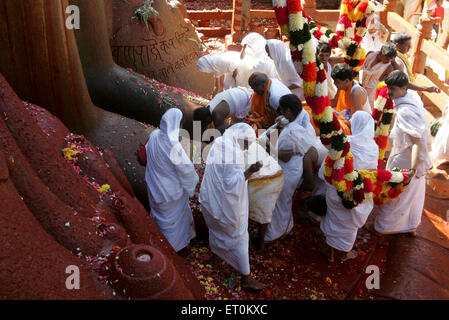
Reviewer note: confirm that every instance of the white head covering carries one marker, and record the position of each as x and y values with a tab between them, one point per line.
170	122
240	131
219	64
169	172
255	45
282	58
363	146
224	191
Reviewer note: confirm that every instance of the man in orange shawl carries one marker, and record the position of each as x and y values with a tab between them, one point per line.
351	96
265	100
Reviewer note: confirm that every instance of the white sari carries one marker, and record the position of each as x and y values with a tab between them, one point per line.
171	179
224	198
256	59
281	55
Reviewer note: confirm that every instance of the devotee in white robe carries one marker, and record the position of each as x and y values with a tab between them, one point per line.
221	65
372	40
340	225
440	145
280	53
171	179
224	199
238	100
293	143
410	140
254	59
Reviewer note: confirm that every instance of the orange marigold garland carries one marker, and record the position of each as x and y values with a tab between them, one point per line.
352	186
347	36
383	115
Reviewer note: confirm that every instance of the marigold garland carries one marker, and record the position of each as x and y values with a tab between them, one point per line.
382	115
351	185
347	37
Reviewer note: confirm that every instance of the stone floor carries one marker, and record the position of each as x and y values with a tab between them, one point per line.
293	267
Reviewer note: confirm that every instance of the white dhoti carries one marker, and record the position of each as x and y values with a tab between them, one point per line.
175	221
340	224
264	186
403	214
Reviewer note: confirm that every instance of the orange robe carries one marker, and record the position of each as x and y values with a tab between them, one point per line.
262	114
343	109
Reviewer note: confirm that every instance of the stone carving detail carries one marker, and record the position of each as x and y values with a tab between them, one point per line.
170	57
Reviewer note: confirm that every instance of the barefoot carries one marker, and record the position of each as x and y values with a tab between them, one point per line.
250	283
260	245
350	255
213	261
413	233
328	253
253	243
383	240
184	253
371	229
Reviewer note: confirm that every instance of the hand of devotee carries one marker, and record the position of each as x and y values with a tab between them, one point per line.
433	89
253	168
278	118
256	166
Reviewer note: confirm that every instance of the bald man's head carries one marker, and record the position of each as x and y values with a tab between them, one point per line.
258	82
